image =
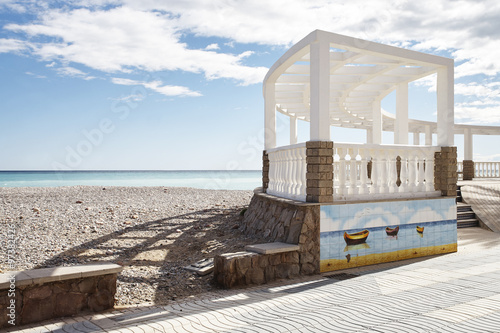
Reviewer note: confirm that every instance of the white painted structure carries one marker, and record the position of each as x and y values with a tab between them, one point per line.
334	80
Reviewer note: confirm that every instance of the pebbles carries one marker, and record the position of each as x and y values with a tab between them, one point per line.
152	231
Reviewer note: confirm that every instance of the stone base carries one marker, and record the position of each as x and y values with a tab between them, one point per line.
249	268
445	171
273	219
34	303
319	174
468	171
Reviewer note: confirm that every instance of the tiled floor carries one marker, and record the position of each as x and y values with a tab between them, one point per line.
457	292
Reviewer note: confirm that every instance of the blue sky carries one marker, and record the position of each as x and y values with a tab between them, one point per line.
170	85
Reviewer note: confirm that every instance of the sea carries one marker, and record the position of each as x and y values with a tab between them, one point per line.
205	179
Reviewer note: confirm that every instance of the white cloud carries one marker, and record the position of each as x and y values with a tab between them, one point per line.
481	103
122	36
73	72
12	45
157	86
367	217
131	97
426	214
36	75
486	158
123	39
213	46
13	5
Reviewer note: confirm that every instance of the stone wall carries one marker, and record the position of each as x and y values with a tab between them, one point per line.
274	219
265	170
247	268
39	302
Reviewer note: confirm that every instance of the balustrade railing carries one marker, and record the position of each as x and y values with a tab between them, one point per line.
287	171
363	171
486	169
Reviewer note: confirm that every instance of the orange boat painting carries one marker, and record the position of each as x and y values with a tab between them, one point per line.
356	238
392	231
420	230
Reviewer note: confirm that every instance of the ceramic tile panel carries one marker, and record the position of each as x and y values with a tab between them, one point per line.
367	233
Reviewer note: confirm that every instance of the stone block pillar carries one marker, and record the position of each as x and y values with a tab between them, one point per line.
445	171
319	171
468	172
265	171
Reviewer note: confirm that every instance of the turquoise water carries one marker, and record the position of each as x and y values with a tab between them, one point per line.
230	180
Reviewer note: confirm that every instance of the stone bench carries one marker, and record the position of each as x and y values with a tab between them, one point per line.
259	264
35	295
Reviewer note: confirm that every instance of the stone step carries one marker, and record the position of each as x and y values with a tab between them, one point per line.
461	207
466	215
466	218
467	223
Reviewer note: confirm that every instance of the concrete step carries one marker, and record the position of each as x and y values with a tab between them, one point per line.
466	215
466	218
461	207
459	195
467	223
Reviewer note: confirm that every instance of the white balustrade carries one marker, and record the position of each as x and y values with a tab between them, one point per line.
486	169
412	176
287	172
396	171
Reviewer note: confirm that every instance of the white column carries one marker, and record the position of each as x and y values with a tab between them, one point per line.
369	135
445	108
468	144
377	123
269	116
401	123
293	130
320	91
416	138
428	135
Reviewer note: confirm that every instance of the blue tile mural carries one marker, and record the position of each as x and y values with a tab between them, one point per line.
367	233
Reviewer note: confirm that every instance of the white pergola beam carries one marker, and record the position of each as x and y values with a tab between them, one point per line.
377	123
320	90
269	116
445	106
293	130
416	138
356	73
401	124
428	135
468	144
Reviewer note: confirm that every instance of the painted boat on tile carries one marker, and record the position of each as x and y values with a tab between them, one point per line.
420	230
356	238
392	231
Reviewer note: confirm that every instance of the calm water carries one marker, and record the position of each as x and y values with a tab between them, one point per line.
333	245
230	180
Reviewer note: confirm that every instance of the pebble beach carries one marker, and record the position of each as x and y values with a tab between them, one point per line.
153	232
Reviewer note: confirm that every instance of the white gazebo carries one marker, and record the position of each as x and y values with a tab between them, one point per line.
329	80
